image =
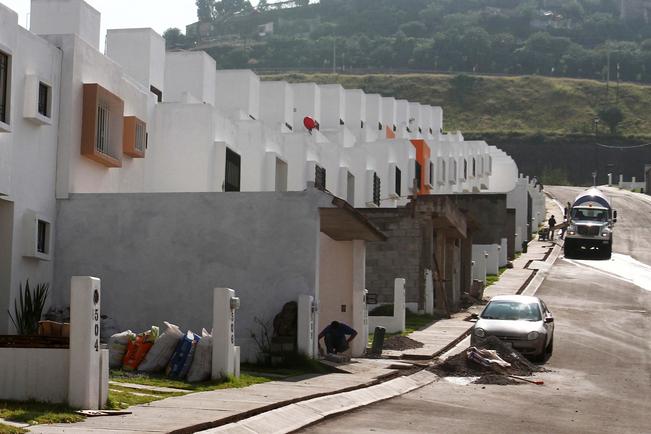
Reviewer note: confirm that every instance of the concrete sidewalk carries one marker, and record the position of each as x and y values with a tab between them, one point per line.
286	405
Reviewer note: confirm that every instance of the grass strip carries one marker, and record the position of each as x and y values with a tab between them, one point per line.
34	413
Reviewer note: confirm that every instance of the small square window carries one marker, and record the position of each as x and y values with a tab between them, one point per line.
44	96
38	236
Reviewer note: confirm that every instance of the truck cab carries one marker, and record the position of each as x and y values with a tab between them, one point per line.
591	222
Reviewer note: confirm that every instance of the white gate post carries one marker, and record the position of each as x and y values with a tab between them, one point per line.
84	374
305	325
223	333
399	302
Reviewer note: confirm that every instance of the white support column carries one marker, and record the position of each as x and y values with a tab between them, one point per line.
236	362
360	313
223	336
399	302
305	325
84	375
103	377
429	292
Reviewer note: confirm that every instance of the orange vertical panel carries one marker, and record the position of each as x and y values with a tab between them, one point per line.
423	154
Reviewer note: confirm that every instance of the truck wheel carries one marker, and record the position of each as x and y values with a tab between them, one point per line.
608	251
569	249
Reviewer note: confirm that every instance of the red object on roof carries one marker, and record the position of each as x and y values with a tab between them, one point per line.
309	123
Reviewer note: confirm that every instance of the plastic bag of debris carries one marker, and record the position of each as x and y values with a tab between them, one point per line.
202	362
486	357
181	360
161	352
137	349
118	346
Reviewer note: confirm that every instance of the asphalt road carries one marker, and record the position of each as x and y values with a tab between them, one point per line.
600	372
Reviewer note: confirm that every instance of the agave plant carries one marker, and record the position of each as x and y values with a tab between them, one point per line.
28	308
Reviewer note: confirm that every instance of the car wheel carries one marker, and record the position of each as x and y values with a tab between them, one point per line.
550	347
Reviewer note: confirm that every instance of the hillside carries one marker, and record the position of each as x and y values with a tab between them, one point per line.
591	39
526	104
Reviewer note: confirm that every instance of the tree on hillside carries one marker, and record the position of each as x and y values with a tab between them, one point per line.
174	38
263	6
611	116
205	10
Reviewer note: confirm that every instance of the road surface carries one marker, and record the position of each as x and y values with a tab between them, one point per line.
600	379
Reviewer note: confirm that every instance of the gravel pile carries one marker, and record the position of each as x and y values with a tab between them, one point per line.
460	366
400	343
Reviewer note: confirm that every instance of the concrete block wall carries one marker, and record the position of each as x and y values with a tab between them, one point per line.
398	256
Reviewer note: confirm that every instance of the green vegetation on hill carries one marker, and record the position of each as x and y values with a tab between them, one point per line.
568	38
520	105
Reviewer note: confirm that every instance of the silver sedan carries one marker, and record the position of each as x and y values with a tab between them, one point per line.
519	320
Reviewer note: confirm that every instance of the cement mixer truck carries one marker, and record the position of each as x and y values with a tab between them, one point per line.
590	225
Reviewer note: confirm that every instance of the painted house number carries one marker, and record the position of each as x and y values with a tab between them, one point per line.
95	316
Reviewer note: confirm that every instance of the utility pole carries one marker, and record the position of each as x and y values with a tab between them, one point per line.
608	76
617	92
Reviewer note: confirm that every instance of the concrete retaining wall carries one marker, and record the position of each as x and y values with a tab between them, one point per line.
34	373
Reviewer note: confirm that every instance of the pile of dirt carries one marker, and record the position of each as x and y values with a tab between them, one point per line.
459	365
400	343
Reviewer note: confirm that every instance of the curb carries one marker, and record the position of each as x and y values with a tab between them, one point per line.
305	413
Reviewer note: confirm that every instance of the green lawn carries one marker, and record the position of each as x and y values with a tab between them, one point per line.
8	429
493	278
162	381
33	413
413	322
124	397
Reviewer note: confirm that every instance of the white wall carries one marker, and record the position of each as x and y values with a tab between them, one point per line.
141	52
238	91
189	72
27	153
335	281
277	105
34	374
66	17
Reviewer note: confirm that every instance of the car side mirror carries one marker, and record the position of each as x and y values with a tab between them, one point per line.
474	317
549	319
615	215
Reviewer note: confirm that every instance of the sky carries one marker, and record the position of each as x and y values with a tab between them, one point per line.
160	15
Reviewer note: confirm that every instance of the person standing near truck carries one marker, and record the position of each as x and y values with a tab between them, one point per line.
552	223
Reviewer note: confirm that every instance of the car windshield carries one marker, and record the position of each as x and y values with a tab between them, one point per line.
600	215
512	310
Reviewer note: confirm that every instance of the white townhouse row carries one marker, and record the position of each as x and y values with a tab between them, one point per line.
138	119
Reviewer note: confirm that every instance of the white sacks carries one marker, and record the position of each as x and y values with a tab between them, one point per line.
117	347
162	350
202	362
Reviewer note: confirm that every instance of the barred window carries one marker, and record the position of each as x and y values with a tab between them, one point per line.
103	124
141	137
4	87
376	189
